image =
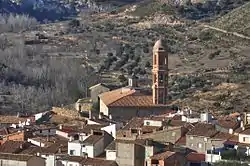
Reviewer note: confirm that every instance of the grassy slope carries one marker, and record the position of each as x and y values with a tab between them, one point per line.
236	21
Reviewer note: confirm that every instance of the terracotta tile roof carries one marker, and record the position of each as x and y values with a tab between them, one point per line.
228	123
112	96
5	131
44	127
92	139
126	97
77	159
177	123
163	155
89	127
246	131
56	148
89	161
177	117
134	101
150	129
238	130
203	129
31	150
111	146
98	162
195	157
48	141
105	121
85	129
134	123
16	157
234	138
222	135
181	141
13	146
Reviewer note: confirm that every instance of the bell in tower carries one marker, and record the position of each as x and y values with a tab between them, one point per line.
160	72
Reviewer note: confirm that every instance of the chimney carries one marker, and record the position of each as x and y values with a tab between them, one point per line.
48	137
148	142
245	118
79	107
110	116
100	115
241	124
71	138
21	146
90	114
59	150
60	126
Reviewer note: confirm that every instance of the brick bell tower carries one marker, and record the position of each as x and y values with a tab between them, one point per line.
160	73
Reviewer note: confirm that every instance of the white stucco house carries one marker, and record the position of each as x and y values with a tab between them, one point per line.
91	146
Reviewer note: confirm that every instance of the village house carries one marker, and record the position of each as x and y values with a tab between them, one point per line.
167	158
109	124
20	159
98	89
92	146
111	151
49	153
201	141
159	129
46	141
43	129
17	135
196	159
136	152
197	138
227	125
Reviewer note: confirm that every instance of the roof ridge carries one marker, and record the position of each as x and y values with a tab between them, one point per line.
133	91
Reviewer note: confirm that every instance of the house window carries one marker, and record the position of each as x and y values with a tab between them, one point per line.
40	131
246	139
70	164
83	146
49	130
72	152
199	145
147	123
191	137
173	134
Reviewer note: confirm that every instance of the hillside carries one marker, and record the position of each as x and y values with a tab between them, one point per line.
60	60
236	21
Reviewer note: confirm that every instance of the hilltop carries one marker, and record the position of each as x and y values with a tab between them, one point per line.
236	21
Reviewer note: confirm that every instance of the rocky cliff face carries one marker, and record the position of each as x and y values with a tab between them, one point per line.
52	9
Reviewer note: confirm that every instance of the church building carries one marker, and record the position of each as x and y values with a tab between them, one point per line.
132	101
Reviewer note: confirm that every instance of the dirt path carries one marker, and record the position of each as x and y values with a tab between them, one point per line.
224	31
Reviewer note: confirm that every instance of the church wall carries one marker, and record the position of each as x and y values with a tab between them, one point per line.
130	112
